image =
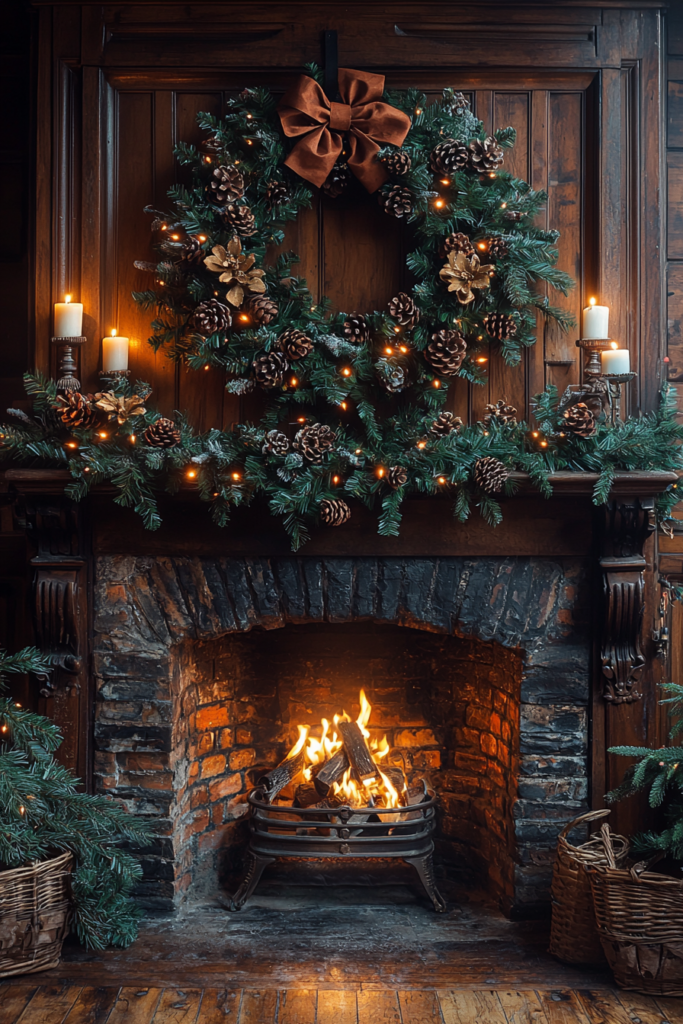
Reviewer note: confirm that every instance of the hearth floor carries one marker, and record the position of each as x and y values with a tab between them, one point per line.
354	938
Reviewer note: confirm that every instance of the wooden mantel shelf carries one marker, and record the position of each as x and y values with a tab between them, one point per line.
561	526
53	481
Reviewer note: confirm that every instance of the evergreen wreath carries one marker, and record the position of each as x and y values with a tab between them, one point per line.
42	814
354	401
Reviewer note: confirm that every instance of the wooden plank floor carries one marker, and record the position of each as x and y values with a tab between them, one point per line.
24	1002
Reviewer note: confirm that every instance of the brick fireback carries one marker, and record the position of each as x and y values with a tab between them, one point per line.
478	670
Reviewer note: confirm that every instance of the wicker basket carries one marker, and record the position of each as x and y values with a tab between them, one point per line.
573	933
34	916
640	920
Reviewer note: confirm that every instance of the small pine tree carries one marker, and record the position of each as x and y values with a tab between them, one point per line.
661	772
42	814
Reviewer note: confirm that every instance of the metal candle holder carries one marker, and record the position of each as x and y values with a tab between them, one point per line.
593	347
113	374
66	369
615	381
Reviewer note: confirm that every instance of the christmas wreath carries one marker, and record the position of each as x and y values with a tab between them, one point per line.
354	402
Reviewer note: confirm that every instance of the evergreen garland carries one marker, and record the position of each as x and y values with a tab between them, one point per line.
42	814
374	381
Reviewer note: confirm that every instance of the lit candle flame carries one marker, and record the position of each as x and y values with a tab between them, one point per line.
592	301
67	298
113	333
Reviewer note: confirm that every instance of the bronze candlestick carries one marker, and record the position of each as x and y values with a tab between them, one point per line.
66	368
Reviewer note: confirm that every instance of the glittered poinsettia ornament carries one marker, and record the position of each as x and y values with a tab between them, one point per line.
119	408
462	273
237	270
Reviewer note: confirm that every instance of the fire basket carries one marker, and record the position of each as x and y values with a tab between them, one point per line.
339	833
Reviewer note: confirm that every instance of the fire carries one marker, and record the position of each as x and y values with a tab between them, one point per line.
374	792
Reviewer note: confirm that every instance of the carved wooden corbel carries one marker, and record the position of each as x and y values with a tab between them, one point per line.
628	523
60	616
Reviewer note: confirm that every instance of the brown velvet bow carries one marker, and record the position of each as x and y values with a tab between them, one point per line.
306	111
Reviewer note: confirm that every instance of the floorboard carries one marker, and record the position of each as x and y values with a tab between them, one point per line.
24	1002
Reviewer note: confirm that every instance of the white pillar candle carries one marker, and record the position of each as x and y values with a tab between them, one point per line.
114	353
68	319
615	360
595	321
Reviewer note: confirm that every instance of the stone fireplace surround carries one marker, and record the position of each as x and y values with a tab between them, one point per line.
500	726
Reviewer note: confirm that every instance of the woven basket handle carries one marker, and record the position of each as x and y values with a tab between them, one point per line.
588	816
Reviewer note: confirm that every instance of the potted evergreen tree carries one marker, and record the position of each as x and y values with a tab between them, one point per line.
62	864
639	912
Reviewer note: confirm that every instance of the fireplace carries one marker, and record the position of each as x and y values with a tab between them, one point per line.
477	671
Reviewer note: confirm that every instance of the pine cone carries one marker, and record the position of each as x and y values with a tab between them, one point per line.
275	443
76	410
314	441
486	155
357	328
393	378
500	326
403	309
269	369
295	344
276	194
397	476
162	433
457	242
240	219
396	200
454	103
211	317
449	156
444	424
490	474
334	512
226	185
337	181
192	251
260	309
501	413
498	248
397	162
446	352
579	420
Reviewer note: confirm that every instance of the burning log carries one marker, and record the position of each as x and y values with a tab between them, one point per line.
288	769
356	748
395	776
331	772
306	795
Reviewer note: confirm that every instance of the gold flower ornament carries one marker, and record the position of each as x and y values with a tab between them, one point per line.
237	270
463	273
119	408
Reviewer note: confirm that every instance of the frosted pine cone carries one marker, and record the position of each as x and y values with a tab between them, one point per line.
498	248
275	443
276	194
337	181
